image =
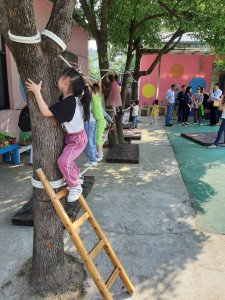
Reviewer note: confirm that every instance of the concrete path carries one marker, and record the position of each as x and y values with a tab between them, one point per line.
146	214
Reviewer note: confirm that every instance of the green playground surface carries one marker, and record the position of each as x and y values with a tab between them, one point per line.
203	172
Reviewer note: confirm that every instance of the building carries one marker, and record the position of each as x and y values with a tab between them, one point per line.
12	96
189	63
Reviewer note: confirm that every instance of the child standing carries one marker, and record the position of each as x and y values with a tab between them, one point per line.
114	98
135	113
71	112
90	150
97	111
155	112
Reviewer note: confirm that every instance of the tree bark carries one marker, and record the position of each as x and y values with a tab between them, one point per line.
138	55
40	62
128	62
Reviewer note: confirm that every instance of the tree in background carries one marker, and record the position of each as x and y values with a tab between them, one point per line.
40	62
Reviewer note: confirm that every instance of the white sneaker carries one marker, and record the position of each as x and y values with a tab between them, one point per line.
74	193
81	179
91	163
212	146
99	158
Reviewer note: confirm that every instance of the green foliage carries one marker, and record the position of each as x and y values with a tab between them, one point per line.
93	69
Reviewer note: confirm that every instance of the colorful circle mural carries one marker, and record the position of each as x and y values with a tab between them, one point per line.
148	90
195	82
176	71
22	91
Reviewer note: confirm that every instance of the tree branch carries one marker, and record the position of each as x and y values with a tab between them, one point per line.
167	48
104	19
24	11
4	22
61	16
90	19
150	17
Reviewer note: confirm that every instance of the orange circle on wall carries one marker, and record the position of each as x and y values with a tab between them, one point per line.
176	71
148	90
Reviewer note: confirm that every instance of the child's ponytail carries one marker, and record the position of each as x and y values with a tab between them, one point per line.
85	101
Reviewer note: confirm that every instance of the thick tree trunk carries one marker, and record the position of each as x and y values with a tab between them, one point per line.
135	90
136	74
104	66
40	62
47	140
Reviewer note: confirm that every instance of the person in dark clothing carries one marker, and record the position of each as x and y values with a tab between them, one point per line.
187	105
205	98
180	100
214	100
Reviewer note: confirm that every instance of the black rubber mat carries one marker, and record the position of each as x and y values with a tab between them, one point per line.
203	138
125	153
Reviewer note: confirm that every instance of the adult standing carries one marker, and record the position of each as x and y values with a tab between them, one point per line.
214	100
197	106
180	100
170	98
187	105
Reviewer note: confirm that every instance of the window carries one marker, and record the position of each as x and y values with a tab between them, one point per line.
4	95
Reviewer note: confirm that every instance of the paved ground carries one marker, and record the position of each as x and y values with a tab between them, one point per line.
146	214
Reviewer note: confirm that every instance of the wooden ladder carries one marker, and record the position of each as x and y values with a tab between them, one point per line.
86	256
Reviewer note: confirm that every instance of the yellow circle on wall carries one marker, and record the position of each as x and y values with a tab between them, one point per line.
176	70
148	90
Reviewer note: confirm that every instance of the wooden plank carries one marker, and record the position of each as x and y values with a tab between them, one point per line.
112	277
61	194
96	249
108	248
81	220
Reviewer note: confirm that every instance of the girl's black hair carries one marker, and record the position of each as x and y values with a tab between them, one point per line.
188	88
96	88
111	77
156	101
79	89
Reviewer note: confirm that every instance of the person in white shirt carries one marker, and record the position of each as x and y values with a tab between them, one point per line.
170	98
222	126
135	113
214	99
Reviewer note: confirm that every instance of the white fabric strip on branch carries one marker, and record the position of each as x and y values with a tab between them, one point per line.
54	37
25	39
55	184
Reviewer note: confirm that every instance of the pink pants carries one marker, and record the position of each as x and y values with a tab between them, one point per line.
75	144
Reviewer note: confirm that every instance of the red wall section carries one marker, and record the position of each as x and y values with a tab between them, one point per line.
189	69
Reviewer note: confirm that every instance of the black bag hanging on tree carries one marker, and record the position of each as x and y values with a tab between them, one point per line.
24	119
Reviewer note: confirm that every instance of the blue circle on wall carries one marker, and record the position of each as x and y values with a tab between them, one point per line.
195	82
22	91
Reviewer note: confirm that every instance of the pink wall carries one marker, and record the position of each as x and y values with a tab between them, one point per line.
189	69
78	45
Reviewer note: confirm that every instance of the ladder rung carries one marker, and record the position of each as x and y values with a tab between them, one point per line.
97	248
81	220
62	193
112	277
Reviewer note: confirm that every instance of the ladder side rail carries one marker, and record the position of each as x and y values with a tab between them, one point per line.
108	248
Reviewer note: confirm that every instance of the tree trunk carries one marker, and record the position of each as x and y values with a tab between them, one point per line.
136	76
135	90
40	62
47	140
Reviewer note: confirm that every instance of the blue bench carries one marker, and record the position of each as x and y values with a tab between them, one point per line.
6	153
